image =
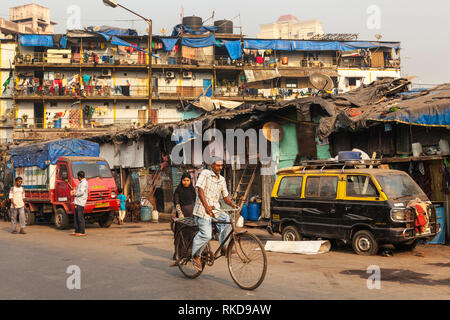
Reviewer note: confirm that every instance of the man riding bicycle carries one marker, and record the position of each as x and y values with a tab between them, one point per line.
211	187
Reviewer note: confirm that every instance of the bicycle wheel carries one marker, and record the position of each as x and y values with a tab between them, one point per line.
183	255
247	261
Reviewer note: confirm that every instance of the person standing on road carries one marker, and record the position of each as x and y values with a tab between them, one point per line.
17	196
80	199
211	187
123	208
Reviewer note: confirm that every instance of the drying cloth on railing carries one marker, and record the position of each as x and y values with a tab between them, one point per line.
199	42
234	49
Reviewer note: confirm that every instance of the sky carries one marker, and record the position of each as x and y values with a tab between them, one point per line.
421	26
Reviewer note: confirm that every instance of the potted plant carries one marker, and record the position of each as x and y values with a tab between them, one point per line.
25	118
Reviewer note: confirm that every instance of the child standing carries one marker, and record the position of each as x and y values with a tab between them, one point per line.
122	211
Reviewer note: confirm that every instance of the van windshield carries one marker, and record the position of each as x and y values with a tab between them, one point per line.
397	186
92	169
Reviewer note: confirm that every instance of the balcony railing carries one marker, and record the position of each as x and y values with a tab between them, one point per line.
30	91
39	58
78	123
177	92
167	60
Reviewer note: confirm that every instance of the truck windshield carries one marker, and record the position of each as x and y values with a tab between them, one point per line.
397	186
91	169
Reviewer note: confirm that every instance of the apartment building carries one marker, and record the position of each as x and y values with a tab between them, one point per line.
29	18
290	27
90	81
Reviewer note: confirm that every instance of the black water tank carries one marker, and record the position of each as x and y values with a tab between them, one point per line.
193	22
225	26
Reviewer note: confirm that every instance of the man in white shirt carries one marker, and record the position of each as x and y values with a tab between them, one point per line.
17	196
80	199
211	187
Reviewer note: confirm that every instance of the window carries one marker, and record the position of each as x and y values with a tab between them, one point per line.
63	172
92	169
360	186
352	81
290	187
398	185
291	83
321	187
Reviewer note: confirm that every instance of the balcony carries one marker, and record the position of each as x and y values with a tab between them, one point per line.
48	92
74	60
74	120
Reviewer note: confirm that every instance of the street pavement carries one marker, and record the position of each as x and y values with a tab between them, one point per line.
132	262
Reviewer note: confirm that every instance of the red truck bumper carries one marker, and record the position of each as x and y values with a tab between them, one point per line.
101	206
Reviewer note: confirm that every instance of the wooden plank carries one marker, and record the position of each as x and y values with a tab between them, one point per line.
409	159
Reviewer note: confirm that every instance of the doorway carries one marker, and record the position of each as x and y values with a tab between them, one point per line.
39	115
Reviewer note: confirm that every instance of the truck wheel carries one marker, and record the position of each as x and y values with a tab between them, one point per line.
61	219
406	246
106	221
364	243
290	233
29	217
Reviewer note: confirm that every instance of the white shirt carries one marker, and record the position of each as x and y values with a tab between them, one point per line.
82	193
214	188
17	195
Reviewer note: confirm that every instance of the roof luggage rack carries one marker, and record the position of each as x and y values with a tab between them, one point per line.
324	164
328	164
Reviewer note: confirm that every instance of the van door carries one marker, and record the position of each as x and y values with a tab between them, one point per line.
360	203
62	192
286	205
319	207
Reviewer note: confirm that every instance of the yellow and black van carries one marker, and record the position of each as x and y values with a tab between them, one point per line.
364	206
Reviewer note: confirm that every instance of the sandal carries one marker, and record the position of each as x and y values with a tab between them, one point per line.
197	265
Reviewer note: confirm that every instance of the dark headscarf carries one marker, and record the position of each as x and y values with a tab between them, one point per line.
185	196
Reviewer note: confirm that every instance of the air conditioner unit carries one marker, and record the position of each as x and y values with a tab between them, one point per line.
106	72
187	74
170	75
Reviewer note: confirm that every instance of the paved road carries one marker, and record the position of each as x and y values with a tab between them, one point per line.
132	262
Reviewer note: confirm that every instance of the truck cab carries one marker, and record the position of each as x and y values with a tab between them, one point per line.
102	199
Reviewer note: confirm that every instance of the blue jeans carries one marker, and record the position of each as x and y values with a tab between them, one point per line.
204	234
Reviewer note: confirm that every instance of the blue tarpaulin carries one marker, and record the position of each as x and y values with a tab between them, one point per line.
428	115
36	40
113	31
178	28
169	43
44	154
234	49
304	45
198	42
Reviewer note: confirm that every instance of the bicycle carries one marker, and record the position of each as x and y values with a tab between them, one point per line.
246	256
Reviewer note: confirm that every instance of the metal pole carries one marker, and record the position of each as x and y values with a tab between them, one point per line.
150	40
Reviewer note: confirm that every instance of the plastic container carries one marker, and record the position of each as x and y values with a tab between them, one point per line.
417	149
172	60
254	211
440	237
58	124
349	155
244	211
146	214
155	216
444	147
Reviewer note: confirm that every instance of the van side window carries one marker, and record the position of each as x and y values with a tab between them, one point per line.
63	172
290	187
360	186
321	187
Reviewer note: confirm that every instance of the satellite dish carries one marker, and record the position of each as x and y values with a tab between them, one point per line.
96	29
268	134
321	82
378	36
163	31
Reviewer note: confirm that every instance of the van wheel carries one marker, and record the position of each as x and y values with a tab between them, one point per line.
29	217
290	233
406	246
106	221
61	219
364	243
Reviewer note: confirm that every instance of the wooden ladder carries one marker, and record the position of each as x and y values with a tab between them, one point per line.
245	184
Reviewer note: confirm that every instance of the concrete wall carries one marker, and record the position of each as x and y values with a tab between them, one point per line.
365	76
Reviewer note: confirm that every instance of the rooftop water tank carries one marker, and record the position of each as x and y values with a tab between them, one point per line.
224	26
193	22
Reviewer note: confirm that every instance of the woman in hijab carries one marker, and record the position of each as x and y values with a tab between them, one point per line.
184	199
